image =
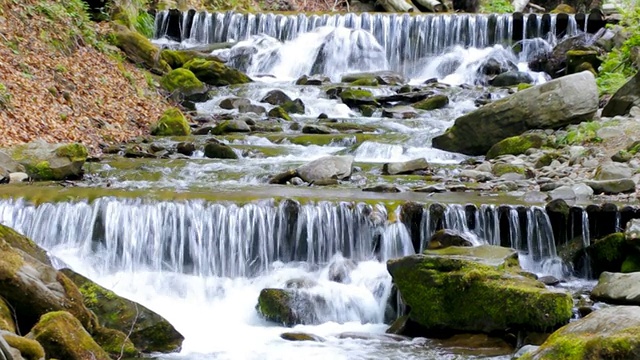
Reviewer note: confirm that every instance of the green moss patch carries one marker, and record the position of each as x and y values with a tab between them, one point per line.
29	349
172	123
182	80
515	145
216	73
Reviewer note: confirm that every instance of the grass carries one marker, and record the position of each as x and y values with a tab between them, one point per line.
496	7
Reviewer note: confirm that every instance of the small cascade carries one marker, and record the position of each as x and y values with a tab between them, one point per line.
515	236
541	254
586	242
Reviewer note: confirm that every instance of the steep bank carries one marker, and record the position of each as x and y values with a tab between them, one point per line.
60	81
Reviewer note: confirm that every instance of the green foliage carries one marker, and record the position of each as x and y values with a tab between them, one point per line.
618	65
586	132
496	6
221	5
5	97
133	14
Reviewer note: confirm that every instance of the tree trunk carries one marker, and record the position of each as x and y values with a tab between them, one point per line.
396	6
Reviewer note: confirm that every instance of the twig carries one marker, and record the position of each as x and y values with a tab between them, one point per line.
133	324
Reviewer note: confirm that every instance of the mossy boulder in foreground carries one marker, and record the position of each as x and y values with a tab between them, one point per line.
139	49
51	162
181	80
476	289
63	337
171	123
277	305
216	73
610	333
149	331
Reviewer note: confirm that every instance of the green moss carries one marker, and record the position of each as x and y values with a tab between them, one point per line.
432	103
216	73
139	49
275	305
546	159
345	126
278	112
19	241
74	152
356	94
29	349
515	145
501	169
40	171
10	261
6	317
365	82
172	123
524	86
115	343
608	253
367	110
631	264
177	58
563	9
63	337
182	80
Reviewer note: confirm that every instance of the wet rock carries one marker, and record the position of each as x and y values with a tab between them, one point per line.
287	307
296	181
148	331
231	126
294	107
43	161
485	282
624	99
283	177
276	97
612	186
493	66
632	231
433	102
382	77
437	188
613	171
383	188
251	108
313	80
400	112
340	270
524	351
549	280
215	73
472	345
515	145
617	288
217	150
371	336
605	254
446	237
354	98
604	334
326	168
555	62
406	167
412	97
511	78
186	148
298	336
278	112
315	129
231	103
171	123
575	99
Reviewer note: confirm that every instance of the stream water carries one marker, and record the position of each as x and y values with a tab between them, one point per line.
202	264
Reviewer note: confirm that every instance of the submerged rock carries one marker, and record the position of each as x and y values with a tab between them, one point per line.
276	97
400	112
299	336
567	100
609	333
476	289
355	98
231	103
326	168
437	101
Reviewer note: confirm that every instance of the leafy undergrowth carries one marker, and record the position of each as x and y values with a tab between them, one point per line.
59	81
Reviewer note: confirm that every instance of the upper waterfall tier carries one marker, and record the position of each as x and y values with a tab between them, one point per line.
418	34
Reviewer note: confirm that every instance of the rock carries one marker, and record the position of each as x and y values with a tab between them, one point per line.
278	112
10	165
535	197
148	331
382	77
313	80
186	148
276	97
62	336
367	110
182	81
525	350
217	150
493	67
405	167
294	107
139	49
562	192
371	336
472	345
171	123
411	97
555	63
29	349
436	188
231	126
400	112
299	336
476	175
231	103
6	318
511	78
115	343
612	186
608	333
340	270
283	177
568	100
501	169
177	58
515	145
582	191
624	99
44	161
355	98
617	288
431	103
549	280
476	289
445	238
607	253
282	307
315	129
251	108
215	73
613	171
326	168
632	231
383	188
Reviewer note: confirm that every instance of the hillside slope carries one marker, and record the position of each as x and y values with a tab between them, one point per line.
60	81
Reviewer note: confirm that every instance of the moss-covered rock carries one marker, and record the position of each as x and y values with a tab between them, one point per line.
149	331
631	264
181	80
51	162
29	349
355	98
515	145
580	60
19	241
609	333
231	126
294	107
63	337
608	253
171	123
177	58
139	49
277	305
216	150
6	317
278	112
215	73
367	110
366	82
115	343
431	103
458	293
500	169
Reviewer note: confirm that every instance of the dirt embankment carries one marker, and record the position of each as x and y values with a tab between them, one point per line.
60	81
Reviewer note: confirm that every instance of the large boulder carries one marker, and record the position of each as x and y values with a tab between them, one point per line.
171	123
624	99
560	102
8	164
445	238
63	337
381	77
216	73
288	306
609	333
461	289
29	348
182	81
276	97
148	331
139	49
326	168
44	161
34	288
617	288
355	98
